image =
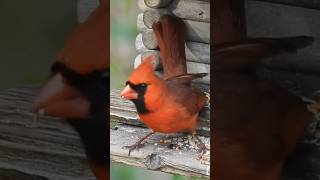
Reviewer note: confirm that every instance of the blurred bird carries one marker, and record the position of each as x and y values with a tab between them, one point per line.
171	104
256	123
79	85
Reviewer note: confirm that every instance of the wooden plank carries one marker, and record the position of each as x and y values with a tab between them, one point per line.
140	24
192	67
196	52
195	10
157	3
196	31
283	21
143	6
85	7
149	39
123	111
301	63
8	174
156	53
173	154
297	83
191	9
47	148
312	4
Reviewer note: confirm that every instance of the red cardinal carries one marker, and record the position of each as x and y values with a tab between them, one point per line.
167	105
79	85
256	123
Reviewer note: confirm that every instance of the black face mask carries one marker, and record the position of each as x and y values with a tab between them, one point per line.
140	101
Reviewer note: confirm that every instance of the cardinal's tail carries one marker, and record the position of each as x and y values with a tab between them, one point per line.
170	33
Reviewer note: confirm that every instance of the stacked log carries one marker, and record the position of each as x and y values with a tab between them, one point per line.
196	16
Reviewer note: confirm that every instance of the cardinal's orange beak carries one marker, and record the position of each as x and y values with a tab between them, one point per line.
57	98
128	93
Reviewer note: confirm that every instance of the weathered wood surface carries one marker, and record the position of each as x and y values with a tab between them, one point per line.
196	52
123	111
85	7
303	62
283	21
195	10
297	83
47	148
192	67
157	3
196	31
140	24
160	152
295	63
313	4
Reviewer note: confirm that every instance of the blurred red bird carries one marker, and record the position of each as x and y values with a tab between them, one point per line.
171	104
79	86
256	123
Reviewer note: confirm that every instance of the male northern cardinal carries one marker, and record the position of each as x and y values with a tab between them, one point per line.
256	123
167	105
79	85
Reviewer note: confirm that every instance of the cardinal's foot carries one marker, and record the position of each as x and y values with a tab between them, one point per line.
136	146
202	147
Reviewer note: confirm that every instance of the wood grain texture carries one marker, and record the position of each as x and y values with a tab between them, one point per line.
313	4
47	148
195	52
297	83
196	31
156	155
140	24
283	21
157	3
195	10
301	63
192	67
143	6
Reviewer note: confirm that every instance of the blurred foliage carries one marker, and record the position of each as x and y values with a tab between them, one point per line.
32	33
125	172
122	42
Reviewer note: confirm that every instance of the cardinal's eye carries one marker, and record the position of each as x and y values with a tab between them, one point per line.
143	85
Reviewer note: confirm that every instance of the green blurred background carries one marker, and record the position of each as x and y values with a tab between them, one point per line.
123	33
31	34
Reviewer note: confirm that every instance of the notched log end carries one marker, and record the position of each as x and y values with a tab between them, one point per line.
157	3
152	16
153	161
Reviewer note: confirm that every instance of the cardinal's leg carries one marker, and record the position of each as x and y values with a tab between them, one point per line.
202	147
139	143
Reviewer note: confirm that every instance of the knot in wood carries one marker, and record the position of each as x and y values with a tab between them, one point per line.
153	161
